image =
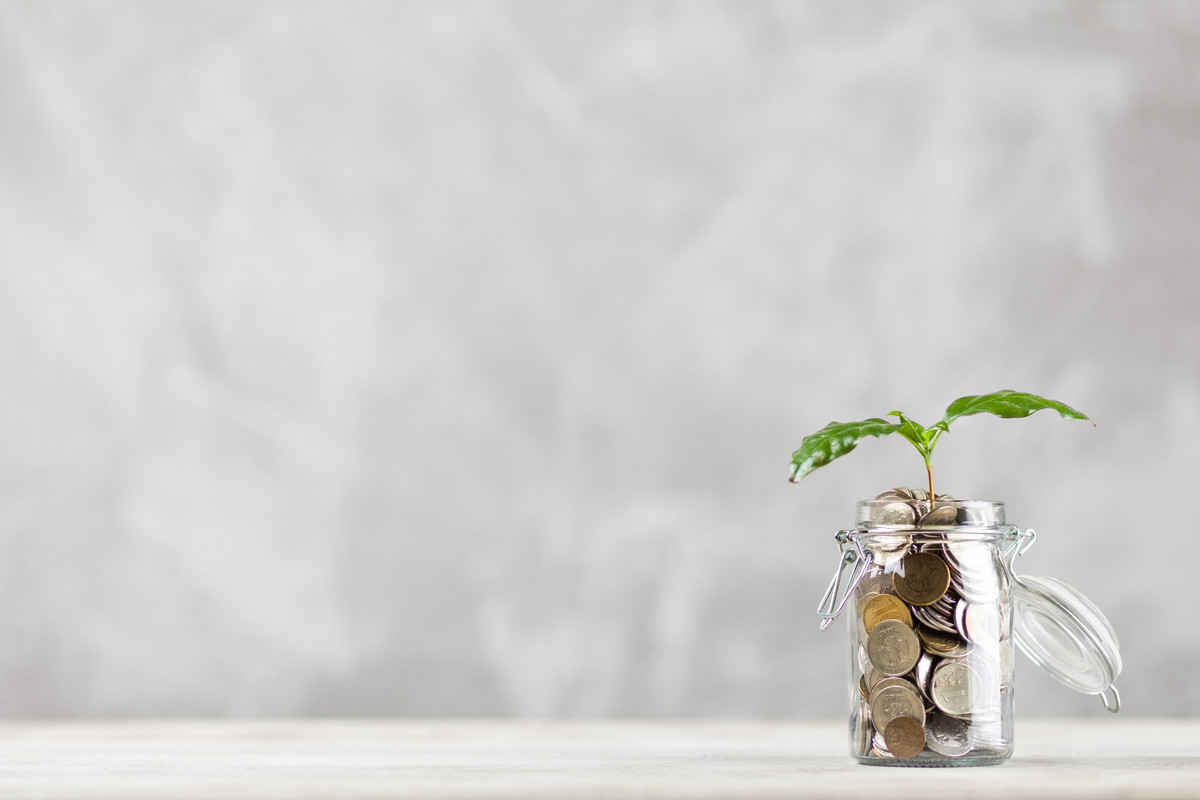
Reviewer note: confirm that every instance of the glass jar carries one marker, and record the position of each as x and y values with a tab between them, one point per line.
935	612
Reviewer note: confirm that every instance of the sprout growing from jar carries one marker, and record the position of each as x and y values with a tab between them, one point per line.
838	438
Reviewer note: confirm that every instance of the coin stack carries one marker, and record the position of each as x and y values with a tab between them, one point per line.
933	658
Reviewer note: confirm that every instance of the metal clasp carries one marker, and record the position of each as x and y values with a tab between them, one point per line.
835	598
1024	541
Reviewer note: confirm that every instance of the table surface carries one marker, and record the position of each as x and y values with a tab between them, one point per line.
510	759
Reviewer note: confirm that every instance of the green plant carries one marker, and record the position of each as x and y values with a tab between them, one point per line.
838	438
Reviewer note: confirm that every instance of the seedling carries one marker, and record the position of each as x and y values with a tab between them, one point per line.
838	438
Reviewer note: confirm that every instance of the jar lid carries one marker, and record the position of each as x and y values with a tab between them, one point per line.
1064	633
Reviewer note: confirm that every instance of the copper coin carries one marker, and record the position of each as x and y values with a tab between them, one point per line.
884	606
904	737
923	579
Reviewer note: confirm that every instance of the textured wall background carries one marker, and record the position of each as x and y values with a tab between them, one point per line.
447	358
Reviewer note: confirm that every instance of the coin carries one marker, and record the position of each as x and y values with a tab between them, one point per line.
981	624
923	579
953	687
947	736
931	619
941	643
988	673
940	517
884	606
960	621
945	606
904	737
891	680
922	672
873	676
974	574
875	581
861	734
896	701
863	660
893	647
919	494
894	494
896	515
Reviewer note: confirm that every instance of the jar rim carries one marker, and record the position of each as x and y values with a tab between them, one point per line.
906	515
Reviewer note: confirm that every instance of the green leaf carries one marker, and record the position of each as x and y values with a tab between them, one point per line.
913	431
835	440
1007	404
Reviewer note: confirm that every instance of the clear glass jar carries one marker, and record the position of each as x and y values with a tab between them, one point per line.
932	602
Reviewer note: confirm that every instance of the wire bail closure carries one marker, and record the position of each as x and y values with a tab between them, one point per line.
854	560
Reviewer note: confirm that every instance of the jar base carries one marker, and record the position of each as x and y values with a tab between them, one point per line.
928	759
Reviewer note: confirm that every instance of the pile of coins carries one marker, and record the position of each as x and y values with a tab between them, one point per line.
933	658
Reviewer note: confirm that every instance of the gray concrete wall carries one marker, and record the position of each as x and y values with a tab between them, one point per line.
447	358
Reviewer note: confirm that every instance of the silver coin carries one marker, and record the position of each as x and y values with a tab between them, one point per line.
981	624
861	729
954	687
893	647
960	618
931	619
922	672
975	590
872	677
890	680
919	494
875	581
893	494
879	747
946	606
940	517
987	685
896	701
948	736
896	515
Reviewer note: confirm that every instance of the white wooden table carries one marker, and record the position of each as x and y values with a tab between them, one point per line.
381	759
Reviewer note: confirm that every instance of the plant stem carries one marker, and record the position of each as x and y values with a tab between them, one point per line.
929	470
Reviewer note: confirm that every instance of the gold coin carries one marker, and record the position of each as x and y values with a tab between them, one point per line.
922	579
904	737
884	606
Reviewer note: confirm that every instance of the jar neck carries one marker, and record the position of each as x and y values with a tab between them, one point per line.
945	516
895	540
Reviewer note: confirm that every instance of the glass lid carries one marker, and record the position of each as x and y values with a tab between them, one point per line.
1062	632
